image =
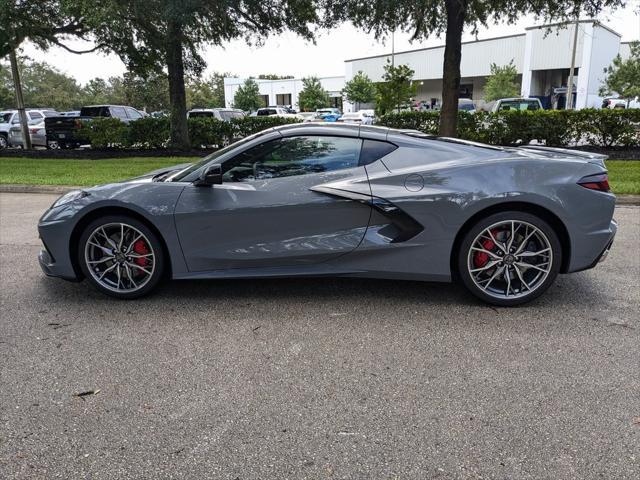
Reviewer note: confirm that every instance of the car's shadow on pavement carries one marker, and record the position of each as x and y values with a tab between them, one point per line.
576	288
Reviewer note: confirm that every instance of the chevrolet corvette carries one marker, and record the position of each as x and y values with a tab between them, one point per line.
342	200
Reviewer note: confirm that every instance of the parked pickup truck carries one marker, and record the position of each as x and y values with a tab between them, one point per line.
65	129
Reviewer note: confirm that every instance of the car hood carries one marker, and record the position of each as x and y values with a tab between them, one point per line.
148	177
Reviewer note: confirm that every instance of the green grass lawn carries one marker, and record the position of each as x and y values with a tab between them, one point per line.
79	172
624	175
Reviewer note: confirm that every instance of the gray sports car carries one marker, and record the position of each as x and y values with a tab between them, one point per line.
342	200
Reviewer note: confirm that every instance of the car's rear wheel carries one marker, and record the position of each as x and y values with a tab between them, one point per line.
509	258
121	256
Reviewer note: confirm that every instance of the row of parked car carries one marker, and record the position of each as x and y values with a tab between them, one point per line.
51	129
364	117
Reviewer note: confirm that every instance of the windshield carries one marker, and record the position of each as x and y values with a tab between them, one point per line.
95	112
200	114
466	106
519	105
218	153
50	113
229	114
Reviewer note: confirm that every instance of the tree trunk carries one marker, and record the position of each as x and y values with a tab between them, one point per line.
456	12
177	96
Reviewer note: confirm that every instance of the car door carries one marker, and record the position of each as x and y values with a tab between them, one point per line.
265	213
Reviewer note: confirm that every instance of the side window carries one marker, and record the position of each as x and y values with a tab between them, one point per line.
133	113
373	150
293	156
118	112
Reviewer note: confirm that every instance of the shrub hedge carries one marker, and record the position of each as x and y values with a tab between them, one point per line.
557	128
153	133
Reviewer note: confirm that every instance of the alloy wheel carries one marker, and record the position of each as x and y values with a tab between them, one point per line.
119	257
510	259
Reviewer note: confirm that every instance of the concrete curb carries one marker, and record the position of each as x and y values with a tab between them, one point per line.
17	188
60	189
628	200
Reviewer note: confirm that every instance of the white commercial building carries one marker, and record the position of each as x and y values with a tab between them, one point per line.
284	92
541	55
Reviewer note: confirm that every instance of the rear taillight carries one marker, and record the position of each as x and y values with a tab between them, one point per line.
78	123
598	182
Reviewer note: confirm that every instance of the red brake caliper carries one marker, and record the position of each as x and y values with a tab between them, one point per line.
480	259
140	247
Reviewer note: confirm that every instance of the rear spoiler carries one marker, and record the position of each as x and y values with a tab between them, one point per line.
595	158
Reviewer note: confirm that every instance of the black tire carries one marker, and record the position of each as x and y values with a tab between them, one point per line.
154	244
4	143
464	260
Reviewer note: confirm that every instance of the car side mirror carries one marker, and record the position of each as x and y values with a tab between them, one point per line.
212	175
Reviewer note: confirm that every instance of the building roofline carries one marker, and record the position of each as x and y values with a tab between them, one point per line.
595	22
436	47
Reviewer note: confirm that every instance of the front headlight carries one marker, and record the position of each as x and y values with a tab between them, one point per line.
70	197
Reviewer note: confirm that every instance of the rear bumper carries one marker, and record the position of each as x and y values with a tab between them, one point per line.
605	252
601	248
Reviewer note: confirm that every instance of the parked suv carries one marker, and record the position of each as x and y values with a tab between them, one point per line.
513	104
10	118
65	129
224	114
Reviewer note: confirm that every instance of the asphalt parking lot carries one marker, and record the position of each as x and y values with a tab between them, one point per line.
316	378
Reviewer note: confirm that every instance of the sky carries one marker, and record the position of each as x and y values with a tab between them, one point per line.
288	54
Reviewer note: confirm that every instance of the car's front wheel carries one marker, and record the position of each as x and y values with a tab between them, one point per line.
121	256
509	258
3	142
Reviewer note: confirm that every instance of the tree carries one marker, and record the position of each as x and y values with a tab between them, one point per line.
360	89
207	92
42	86
43	22
97	91
273	76
396	90
312	96
502	82
623	76
152	35
247	96
433	17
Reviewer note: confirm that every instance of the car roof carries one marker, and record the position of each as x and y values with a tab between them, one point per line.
108	105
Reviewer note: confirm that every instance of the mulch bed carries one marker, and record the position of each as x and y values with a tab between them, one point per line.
94	154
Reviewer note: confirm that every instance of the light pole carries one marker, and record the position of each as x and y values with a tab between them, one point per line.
26	139
570	105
